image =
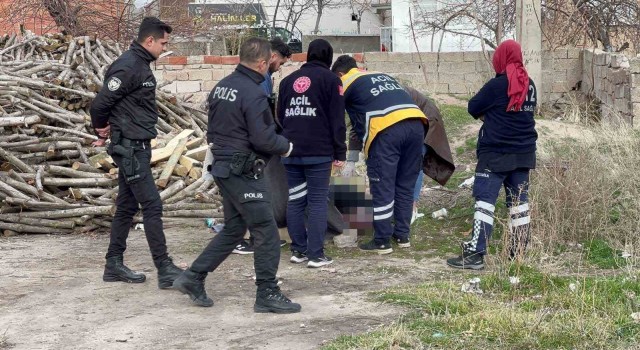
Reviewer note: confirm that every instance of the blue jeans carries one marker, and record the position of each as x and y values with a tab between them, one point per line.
308	189
418	187
485	190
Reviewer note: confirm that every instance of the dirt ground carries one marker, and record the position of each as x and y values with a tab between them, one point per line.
52	297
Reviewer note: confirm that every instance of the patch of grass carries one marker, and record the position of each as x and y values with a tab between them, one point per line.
599	253
542	311
455	118
461	97
457	178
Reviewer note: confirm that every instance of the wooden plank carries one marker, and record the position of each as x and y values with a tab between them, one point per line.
198	153
171	163
180	170
174	141
189	163
195	173
196	142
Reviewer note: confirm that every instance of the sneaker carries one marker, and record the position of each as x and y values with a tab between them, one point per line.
243	248
116	271
167	273
192	284
468	260
298	257
272	300
283	243
403	242
320	262
371	246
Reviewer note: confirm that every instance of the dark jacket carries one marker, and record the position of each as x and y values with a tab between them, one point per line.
438	161
127	101
311	109
240	118
502	131
375	101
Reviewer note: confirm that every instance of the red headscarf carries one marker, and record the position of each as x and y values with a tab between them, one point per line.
508	60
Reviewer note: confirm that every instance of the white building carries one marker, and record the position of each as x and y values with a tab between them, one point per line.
401	38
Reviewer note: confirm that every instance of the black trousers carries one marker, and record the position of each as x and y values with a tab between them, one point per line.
247	204
139	192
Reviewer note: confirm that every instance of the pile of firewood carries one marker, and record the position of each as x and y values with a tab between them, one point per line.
51	179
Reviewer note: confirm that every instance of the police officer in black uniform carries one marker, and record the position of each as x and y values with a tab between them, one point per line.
242	131
126	110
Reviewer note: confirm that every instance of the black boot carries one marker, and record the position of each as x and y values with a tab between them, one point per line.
192	283
272	300
116	271
167	273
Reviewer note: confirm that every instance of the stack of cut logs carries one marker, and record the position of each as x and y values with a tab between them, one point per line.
51	179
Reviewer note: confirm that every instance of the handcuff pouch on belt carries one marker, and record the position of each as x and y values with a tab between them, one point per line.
123	148
247	164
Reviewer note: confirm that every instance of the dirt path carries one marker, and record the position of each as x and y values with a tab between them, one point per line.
52	297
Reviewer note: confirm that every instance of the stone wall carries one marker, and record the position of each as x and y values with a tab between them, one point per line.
614	80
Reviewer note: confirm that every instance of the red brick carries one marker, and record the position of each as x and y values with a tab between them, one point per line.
212	60
177	60
230	59
299	57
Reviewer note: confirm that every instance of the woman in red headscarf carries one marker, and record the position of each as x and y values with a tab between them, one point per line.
506	152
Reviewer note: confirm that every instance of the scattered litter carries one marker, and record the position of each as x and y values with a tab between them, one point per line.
213	224
437	335
468	183
473	286
121	340
626	255
636	316
440	214
139	227
329	269
210	222
573	287
302	325
514	280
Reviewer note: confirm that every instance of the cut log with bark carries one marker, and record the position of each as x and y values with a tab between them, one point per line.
49	172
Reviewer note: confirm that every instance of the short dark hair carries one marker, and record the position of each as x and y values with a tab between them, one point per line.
278	45
344	64
254	50
152	26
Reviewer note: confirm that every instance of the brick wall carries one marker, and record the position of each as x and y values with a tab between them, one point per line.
614	80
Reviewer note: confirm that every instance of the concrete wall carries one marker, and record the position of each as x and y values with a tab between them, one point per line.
457	73
610	78
614	80
464	73
346	43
